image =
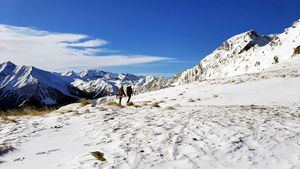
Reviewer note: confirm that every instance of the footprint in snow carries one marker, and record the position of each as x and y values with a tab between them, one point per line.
47	152
19	159
57	126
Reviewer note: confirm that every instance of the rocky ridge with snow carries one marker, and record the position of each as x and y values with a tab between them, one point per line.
248	52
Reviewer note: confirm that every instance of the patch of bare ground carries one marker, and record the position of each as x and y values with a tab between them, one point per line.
84	102
26	111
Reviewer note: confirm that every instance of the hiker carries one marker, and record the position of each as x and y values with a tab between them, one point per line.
121	93
128	93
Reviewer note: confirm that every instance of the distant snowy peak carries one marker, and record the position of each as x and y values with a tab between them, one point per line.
70	73
95	74
6	68
6	64
28	75
130	77
108	77
247	52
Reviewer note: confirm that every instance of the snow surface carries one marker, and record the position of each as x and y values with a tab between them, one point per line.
247	121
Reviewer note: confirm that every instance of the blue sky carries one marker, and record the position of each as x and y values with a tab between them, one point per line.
185	31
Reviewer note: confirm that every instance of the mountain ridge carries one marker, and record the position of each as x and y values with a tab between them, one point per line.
22	86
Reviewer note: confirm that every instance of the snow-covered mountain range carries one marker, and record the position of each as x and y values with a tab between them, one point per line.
28	86
99	83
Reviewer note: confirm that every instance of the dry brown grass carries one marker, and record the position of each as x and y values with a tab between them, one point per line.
98	155
7	119
134	105
26	111
130	104
297	50
137	106
84	102
114	104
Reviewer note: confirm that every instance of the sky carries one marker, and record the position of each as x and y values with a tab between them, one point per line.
145	37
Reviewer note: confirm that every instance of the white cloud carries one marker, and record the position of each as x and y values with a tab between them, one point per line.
59	51
89	43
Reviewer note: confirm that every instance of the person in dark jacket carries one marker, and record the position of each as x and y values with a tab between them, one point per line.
129	93
121	94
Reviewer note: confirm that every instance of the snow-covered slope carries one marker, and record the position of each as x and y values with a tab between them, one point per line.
29	86
250	121
245	53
